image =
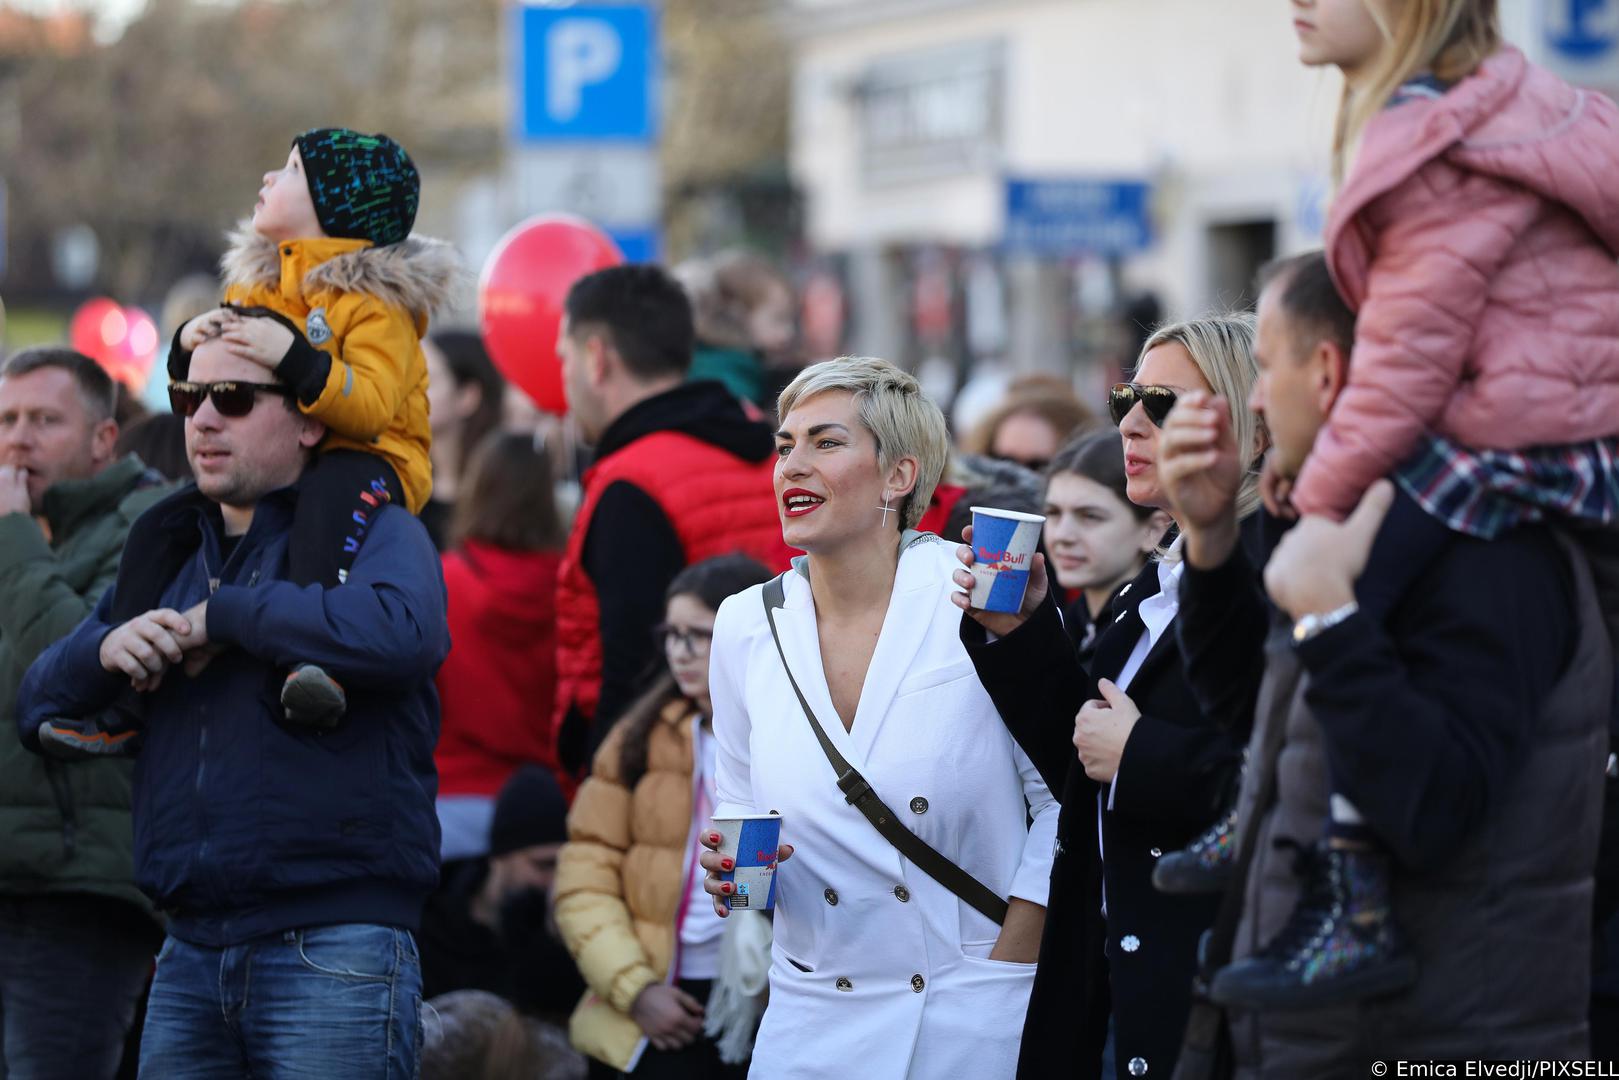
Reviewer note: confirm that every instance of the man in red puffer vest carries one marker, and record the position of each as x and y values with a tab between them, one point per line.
681	474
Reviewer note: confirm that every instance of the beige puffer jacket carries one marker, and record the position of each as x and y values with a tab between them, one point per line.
620	880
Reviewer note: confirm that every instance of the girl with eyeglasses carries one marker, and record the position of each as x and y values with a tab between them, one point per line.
629	894
1142	771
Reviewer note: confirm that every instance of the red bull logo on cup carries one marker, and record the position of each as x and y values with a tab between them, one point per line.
1003	548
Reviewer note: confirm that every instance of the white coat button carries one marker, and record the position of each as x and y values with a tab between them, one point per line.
844	984
917	983
1130	943
919	805
831	897
902	894
1138	1066
1157	853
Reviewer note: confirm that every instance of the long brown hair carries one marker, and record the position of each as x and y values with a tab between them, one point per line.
509	500
709	582
469	364
1450	38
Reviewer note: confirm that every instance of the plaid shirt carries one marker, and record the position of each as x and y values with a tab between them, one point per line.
1486	492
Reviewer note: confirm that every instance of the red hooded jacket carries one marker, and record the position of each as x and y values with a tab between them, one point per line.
498	683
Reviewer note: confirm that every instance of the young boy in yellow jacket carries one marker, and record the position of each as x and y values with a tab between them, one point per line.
327	290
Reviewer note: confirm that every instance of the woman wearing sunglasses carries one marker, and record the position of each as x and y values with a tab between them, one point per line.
1141	769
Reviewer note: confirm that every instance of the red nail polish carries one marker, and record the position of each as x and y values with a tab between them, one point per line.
726	864
726	887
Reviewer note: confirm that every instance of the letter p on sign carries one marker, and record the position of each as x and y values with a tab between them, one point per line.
586	71
579	52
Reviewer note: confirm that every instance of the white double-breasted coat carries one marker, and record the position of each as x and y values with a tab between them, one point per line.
877	970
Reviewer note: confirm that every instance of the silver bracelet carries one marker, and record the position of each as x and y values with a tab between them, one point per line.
1311	625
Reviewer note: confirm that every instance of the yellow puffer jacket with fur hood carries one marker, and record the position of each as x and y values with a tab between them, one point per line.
620	880
366	308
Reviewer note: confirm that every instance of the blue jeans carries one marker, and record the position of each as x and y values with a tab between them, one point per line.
306	1004
72	968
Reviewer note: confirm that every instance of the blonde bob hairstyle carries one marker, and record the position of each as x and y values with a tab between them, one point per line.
891	406
1222	347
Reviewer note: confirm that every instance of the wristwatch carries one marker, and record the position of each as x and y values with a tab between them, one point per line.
1313	624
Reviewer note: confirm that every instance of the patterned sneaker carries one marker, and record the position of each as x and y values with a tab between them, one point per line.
1206	864
313	698
1340	944
84	740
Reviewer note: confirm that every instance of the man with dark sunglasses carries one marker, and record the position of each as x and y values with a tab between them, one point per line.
76	936
292	864
232	398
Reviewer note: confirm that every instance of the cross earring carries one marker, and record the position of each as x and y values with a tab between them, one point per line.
886	509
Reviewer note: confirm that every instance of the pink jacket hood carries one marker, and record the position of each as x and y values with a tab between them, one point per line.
1510	120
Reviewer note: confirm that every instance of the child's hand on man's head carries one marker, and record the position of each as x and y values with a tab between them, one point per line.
262	340
210	324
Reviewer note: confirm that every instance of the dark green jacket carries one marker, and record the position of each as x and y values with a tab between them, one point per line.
740	371
65	827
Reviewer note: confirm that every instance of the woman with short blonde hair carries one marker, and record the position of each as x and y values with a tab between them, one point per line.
878	968
890	405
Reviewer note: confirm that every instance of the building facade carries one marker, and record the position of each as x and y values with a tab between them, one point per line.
1008	183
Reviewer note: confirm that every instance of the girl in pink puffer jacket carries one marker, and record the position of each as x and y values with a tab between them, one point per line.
1475	235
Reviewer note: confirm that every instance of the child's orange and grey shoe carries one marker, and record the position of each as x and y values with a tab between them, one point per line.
82	740
312	698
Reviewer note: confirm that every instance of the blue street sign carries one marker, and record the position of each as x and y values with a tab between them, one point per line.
586	71
1582	30
638	245
1069	217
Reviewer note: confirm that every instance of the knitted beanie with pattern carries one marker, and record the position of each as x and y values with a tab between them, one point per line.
364	187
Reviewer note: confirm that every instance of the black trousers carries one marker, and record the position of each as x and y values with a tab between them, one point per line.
698	1061
339	494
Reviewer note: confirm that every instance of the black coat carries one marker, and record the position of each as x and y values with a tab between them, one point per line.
1174	777
520	962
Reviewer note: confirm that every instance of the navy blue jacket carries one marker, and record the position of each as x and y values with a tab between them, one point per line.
245	825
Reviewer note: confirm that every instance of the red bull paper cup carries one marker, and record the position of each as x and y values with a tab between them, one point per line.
1003	547
751	840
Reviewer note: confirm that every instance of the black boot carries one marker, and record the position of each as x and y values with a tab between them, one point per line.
1340	945
1203	866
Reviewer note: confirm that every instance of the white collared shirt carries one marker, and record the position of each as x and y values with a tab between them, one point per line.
1157	612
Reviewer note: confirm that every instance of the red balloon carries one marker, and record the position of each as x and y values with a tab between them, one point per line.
520	297
124	341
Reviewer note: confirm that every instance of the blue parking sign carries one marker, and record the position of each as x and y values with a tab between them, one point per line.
586	71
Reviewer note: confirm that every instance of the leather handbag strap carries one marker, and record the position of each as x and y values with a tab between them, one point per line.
859	794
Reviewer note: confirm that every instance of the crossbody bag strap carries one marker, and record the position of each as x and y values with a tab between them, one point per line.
859	794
